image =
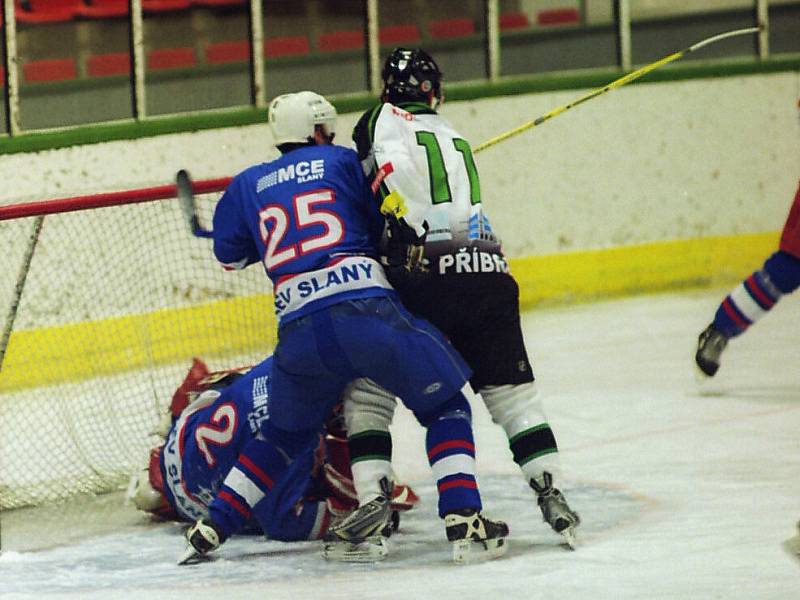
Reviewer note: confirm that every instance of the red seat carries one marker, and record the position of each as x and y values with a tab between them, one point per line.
160	6
46	11
558	16
220	3
105	65
171	58
228	52
103	9
399	34
341	40
513	21
51	69
452	28
286	46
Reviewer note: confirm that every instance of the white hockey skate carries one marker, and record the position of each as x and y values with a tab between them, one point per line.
202	538
474	537
362	535
555	510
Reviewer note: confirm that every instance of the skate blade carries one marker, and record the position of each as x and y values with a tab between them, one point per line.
190	556
570	541
475	551
372	549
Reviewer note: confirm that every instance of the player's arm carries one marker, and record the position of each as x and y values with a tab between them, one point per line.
400	186
233	244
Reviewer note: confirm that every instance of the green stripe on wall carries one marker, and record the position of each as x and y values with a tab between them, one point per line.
83	350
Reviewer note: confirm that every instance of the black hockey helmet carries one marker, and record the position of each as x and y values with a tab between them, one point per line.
411	75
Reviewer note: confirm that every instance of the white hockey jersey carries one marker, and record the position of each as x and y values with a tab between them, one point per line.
422	170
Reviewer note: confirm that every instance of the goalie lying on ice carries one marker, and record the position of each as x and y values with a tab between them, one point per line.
213	457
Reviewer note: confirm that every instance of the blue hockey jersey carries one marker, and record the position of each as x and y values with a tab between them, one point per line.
205	442
310	218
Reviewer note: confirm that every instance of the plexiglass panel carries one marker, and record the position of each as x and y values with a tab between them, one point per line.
196	55
58	45
315	45
555	35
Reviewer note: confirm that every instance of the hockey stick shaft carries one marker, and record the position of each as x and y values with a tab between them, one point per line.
632	76
185	189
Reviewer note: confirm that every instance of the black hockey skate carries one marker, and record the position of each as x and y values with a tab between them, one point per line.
555	510
474	537
361	536
202	537
710	345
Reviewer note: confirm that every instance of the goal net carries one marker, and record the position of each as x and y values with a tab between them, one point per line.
116	300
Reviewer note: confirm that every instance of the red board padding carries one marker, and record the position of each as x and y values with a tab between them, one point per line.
106	65
399	34
513	21
228	52
61	205
171	58
452	28
341	40
558	16
53	69
296	45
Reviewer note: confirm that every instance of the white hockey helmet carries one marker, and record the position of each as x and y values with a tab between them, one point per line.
292	117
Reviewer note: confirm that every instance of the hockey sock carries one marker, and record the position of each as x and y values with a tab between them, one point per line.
370	461
756	295
253	476
518	410
451	454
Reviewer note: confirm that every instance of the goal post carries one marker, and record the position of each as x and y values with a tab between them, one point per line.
118	297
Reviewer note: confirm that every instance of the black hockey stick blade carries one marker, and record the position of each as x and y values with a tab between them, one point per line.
183	182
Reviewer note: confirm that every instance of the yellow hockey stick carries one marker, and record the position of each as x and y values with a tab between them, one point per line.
633	75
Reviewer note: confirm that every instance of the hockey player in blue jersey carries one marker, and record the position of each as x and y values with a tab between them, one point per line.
212	456
754	297
309	217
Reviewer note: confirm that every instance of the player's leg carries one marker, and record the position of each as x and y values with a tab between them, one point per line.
495	349
747	303
256	488
413	360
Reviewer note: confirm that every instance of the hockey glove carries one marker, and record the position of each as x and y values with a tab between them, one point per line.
202	537
405	248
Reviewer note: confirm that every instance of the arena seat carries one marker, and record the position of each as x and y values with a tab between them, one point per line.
451	28
335	41
49	69
399	34
296	45
220	3
162	6
232	51
106	65
171	58
558	16
514	21
103	9
46	11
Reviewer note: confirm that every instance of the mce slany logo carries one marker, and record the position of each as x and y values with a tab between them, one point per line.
301	171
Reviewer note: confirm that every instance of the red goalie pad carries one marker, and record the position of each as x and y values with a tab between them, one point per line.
790	238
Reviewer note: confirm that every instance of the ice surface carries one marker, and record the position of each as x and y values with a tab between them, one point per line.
684	491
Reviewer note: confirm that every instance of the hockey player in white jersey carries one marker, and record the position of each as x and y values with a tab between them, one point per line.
447	264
